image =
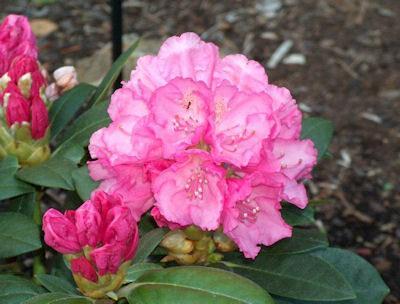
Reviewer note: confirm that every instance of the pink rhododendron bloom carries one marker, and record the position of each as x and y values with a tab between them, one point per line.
81	266
252	214
103	224
60	232
191	191
187	124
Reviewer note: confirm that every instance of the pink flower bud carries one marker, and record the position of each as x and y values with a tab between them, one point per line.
51	92
16	37
81	266
107	258
88	224
22	65
40	118
17	107
60	232
66	78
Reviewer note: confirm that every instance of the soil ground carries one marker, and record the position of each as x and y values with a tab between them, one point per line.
351	76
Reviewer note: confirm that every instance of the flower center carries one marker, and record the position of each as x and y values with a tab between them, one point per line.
187	125
195	184
248	211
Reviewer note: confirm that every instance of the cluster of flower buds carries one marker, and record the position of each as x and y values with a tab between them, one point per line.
23	112
194	246
99	240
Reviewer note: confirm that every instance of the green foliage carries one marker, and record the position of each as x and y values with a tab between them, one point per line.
137	270
194	285
9	185
320	131
148	243
56	284
15	290
18	234
83	183
59	298
295	216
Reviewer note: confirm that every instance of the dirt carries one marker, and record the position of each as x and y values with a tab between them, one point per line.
351	76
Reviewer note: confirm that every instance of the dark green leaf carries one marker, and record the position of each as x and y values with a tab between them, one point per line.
56	284
300	276
303	240
111	76
83	127
9	185
15	290
298	217
65	108
54	173
195	285
320	131
24	204
137	270
58	298
73	152
146	224
148	243
362	276
18	234
84	184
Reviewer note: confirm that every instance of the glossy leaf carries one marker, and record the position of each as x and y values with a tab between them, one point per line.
195	285
10	186
83	127
301	276
56	284
18	234
137	270
320	131
54	173
112	74
295	216
148	243
303	240
84	184
58	298
24	204
66	107
15	290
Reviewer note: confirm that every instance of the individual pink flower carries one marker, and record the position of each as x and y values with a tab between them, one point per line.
131	182
191	191
252	214
239	124
81	266
88	221
17	38
16	106
179	114
107	259
60	232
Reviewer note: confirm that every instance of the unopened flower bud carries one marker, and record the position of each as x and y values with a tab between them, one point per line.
16	107
25	84
39	119
223	243
81	266
4	80
176	242
66	78
194	233
60	232
51	92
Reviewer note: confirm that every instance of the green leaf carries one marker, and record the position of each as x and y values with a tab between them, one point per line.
111	76
295	216
148	243
137	270
73	152
362	276
18	234
303	240
301	276
9	185
83	127
320	131
58	298
56	284
15	290
195	285
84	184
24	204
65	108
54	173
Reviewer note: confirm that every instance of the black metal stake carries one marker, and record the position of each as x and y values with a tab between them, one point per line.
116	19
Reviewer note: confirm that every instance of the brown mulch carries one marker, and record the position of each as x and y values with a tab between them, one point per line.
351	76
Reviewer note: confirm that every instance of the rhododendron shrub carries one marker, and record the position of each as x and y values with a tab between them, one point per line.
197	160
228	141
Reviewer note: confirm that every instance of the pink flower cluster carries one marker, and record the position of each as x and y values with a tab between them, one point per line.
21	79
101	234
206	141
